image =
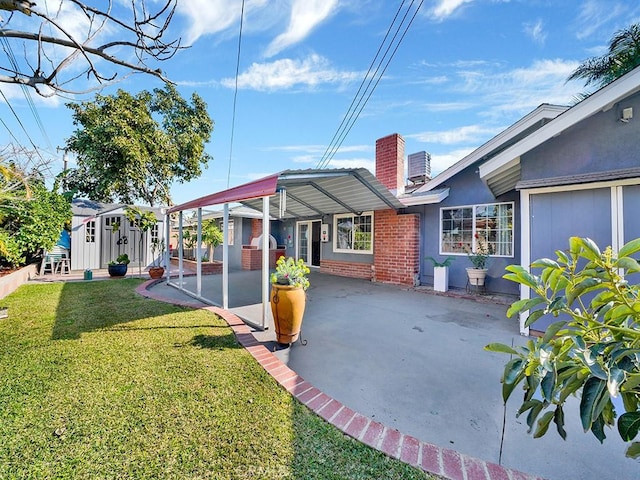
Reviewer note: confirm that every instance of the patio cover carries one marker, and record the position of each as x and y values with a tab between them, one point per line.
309	193
314	193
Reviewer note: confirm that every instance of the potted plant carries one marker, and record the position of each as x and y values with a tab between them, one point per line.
118	268
441	273
288	298
157	255
479	258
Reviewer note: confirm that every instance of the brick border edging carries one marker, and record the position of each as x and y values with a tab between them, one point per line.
428	457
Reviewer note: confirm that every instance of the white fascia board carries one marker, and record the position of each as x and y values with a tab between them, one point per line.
543	111
602	100
425	199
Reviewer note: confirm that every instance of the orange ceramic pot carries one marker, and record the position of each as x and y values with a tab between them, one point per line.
287	307
156	272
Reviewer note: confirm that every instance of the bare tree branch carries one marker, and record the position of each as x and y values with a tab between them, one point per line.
127	32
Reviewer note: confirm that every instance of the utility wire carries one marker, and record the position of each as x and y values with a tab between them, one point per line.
235	95
344	118
25	90
353	113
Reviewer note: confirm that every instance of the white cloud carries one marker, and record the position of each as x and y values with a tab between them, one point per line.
536	31
367	163
440	162
306	15
213	16
445	8
594	14
469	134
287	73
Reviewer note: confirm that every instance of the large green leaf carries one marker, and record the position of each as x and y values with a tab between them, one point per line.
597	428
543	424
558	419
500	348
634	450
629	425
533	317
523	305
592	393
547	385
590	249
544	263
552	330
580	288
616	377
629	264
629	248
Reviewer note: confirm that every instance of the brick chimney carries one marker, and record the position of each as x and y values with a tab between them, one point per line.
390	162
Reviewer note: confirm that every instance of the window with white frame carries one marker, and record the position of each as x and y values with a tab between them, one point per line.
90	231
155	233
353	233
461	228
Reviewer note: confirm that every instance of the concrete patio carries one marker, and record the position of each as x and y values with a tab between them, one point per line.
414	361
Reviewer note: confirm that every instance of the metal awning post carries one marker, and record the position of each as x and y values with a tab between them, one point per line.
265	260
225	257
167	242
180	250
199	254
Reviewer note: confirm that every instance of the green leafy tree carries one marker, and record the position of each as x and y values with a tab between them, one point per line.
211	236
591	351
622	57
144	221
34	223
132	147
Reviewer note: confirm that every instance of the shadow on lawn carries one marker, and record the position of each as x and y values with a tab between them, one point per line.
89	306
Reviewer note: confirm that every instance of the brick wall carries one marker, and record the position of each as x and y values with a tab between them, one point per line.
396	247
256	228
390	162
346	269
252	258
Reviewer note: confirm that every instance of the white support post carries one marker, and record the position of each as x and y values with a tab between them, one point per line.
265	261
167	242
225	257
199	254
180	249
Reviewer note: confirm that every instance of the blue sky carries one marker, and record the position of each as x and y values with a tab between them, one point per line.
466	70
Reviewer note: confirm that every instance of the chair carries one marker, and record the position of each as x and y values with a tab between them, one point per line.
56	260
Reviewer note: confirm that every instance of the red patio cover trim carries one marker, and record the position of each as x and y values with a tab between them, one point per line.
265	187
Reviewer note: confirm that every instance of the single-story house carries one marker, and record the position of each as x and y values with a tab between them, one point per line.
557	172
95	242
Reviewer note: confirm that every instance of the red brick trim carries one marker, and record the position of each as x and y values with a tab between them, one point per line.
346	269
445	462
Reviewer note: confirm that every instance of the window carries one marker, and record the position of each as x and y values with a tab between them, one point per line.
354	233
90	231
491	223
155	233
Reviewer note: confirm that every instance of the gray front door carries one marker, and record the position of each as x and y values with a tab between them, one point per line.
557	216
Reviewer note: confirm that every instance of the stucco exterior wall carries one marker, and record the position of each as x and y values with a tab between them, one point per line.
466	188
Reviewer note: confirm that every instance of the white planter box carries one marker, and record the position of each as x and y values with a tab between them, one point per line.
441	279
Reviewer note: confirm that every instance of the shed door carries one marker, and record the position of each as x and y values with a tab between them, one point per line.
123	240
559	215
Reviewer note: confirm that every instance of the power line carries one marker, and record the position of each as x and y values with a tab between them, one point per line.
235	95
25	90
358	104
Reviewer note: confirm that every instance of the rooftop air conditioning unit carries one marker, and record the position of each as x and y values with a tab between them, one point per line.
419	169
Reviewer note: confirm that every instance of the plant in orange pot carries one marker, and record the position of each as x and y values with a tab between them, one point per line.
288	298
157	255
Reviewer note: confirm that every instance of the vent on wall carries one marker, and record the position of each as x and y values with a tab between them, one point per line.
419	168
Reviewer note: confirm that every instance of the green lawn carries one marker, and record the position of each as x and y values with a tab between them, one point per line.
97	382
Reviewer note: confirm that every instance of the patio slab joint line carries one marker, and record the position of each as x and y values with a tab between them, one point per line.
371	433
